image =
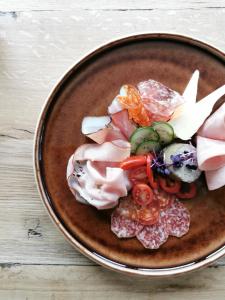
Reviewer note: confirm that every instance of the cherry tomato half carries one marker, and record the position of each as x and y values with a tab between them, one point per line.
149	172
133	162
149	215
191	193
168	185
142	194
138	175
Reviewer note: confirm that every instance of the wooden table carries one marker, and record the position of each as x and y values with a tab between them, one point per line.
39	41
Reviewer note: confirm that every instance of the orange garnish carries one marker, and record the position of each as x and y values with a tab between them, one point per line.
132	102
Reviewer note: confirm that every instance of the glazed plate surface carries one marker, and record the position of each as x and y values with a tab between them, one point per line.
87	89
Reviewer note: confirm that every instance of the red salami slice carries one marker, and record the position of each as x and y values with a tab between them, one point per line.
123	226
176	218
153	236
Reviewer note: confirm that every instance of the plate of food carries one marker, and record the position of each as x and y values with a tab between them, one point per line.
129	155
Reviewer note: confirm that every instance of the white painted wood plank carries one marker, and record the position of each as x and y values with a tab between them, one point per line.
35	49
58	282
27	234
27	5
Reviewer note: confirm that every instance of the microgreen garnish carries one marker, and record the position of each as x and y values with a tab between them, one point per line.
188	158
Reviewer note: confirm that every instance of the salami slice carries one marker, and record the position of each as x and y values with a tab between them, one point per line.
153	236
176	218
123	226
163	198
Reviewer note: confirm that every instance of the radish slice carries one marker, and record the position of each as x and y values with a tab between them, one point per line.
93	124
108	151
188	123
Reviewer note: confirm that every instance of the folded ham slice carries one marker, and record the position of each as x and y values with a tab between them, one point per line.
94	180
215	178
211	149
210	153
114	151
214	127
121	120
108	134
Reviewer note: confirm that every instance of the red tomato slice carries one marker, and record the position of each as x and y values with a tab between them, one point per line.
138	175
133	162
169	186
149	172
149	215
190	194
142	194
163	198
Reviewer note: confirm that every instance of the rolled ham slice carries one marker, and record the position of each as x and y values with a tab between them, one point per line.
100	184
211	149
215	178
115	151
214	127
210	153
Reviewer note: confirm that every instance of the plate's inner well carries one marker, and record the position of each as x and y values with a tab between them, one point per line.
88	90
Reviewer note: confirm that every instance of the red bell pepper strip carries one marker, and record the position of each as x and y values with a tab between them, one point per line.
153	183
190	194
133	162
169	186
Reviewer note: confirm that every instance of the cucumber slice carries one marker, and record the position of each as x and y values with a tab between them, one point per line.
165	131
147	147
141	135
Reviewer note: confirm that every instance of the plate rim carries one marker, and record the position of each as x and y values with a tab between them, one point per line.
99	259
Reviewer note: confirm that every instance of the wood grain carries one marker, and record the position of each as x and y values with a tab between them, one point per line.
39	41
27	5
93	282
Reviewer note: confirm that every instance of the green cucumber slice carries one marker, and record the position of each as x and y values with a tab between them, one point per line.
141	135
165	131
147	147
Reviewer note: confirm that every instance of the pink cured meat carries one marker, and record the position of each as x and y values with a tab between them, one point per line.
153	236
121	120
214	126
124	227
158	99
108	134
211	149
210	153
215	178
115	151
176	218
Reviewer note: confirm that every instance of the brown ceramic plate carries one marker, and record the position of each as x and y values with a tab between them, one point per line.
87	89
